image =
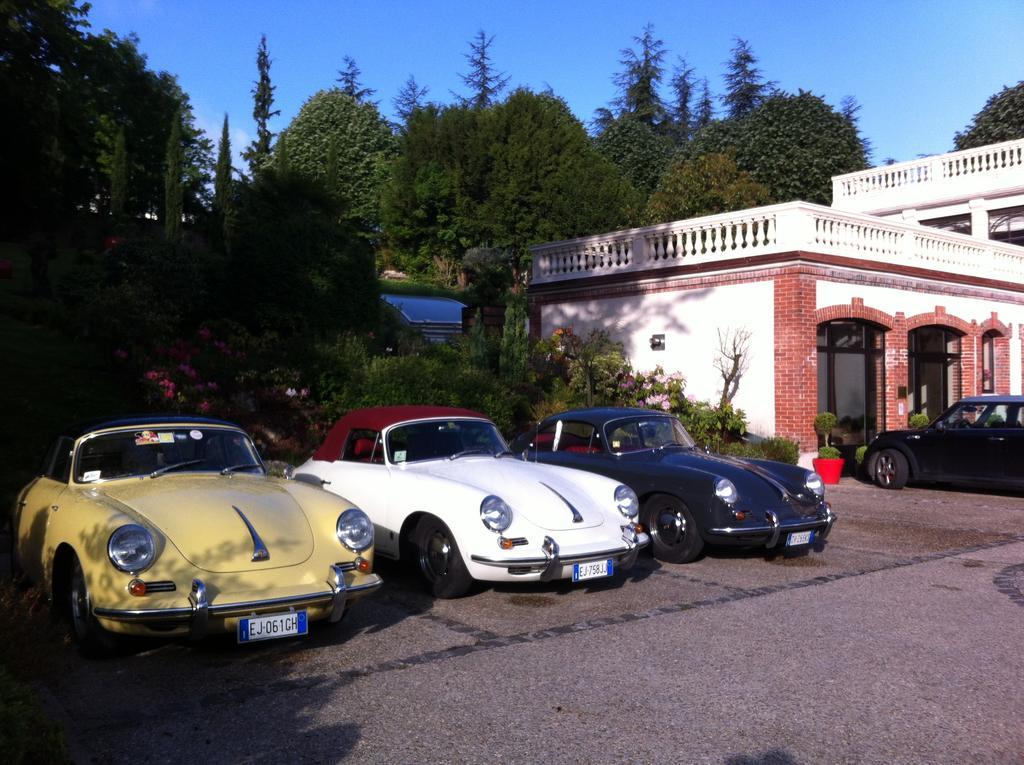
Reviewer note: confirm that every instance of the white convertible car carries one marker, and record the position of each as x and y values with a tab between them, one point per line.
442	488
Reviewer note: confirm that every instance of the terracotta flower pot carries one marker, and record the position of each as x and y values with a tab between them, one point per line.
829	469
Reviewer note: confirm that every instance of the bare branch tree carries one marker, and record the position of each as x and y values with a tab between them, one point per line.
733	360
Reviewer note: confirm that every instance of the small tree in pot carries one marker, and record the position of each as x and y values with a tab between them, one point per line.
829	463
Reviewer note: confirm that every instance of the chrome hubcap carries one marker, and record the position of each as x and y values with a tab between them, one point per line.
885	469
671	527
436	555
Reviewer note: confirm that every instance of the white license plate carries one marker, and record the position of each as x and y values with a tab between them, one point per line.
272	626
800	538
593	570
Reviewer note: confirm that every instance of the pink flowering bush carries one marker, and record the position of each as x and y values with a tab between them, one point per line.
226	372
709	425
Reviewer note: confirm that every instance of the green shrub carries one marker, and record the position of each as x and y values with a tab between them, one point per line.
919	420
824	423
781	450
829	453
778	449
859	454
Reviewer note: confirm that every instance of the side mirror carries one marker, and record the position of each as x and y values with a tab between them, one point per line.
940	425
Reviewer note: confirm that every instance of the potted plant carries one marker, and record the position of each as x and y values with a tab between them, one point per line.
829	463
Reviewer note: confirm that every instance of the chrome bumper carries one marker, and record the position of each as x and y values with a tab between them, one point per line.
771	531
197	614
551	564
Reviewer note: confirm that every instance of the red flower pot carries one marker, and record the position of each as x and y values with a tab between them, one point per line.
828	469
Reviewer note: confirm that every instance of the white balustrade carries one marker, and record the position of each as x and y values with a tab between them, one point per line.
778	229
904	184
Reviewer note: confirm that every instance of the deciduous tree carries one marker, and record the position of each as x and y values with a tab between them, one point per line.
706	185
363	144
119	178
173	192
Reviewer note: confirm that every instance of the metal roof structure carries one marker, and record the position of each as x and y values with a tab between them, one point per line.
437	318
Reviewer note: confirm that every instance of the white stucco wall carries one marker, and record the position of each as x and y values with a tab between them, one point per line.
689	320
911	303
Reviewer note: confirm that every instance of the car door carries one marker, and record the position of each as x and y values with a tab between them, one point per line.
974	447
1013	446
37	505
360	476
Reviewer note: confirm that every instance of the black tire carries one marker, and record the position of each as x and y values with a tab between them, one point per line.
675	537
439	559
889	469
93	641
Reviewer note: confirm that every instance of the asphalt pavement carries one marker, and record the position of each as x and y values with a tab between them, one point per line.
898	642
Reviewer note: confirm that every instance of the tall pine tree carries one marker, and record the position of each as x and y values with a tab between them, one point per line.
705	111
263	100
682	102
638	82
484	82
173	189
410	98
348	79
745	88
222	183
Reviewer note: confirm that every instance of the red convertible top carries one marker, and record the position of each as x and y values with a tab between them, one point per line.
378	418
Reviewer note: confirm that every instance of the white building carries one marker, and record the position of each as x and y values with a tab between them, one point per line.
905	295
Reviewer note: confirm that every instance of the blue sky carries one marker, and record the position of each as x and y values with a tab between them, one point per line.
919	68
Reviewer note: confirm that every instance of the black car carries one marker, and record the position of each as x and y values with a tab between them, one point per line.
688	497
979	441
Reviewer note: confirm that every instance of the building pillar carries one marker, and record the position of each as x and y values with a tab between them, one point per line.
796	359
897	375
979	218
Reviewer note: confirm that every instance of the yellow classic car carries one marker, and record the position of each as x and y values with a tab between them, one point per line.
170	526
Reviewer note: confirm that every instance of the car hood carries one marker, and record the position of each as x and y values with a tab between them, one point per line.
198	515
755	482
542	494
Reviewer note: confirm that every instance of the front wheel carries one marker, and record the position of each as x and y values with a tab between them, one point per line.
889	469
674	534
439	559
92	639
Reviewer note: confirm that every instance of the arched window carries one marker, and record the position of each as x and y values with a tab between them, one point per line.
851	378
934	356
988	362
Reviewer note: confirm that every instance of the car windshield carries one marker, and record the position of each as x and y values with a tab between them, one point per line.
436	439
159	451
641	433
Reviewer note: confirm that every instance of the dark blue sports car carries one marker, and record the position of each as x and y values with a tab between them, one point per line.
688	498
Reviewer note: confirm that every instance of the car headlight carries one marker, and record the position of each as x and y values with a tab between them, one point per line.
131	548
725	490
355	530
815	484
495	513
626	500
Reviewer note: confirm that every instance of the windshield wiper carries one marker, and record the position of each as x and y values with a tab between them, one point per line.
233	468
470	451
175	466
678	446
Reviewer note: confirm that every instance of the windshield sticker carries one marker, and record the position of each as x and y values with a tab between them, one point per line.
399	455
196	435
145	437
180	436
91	475
616	444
